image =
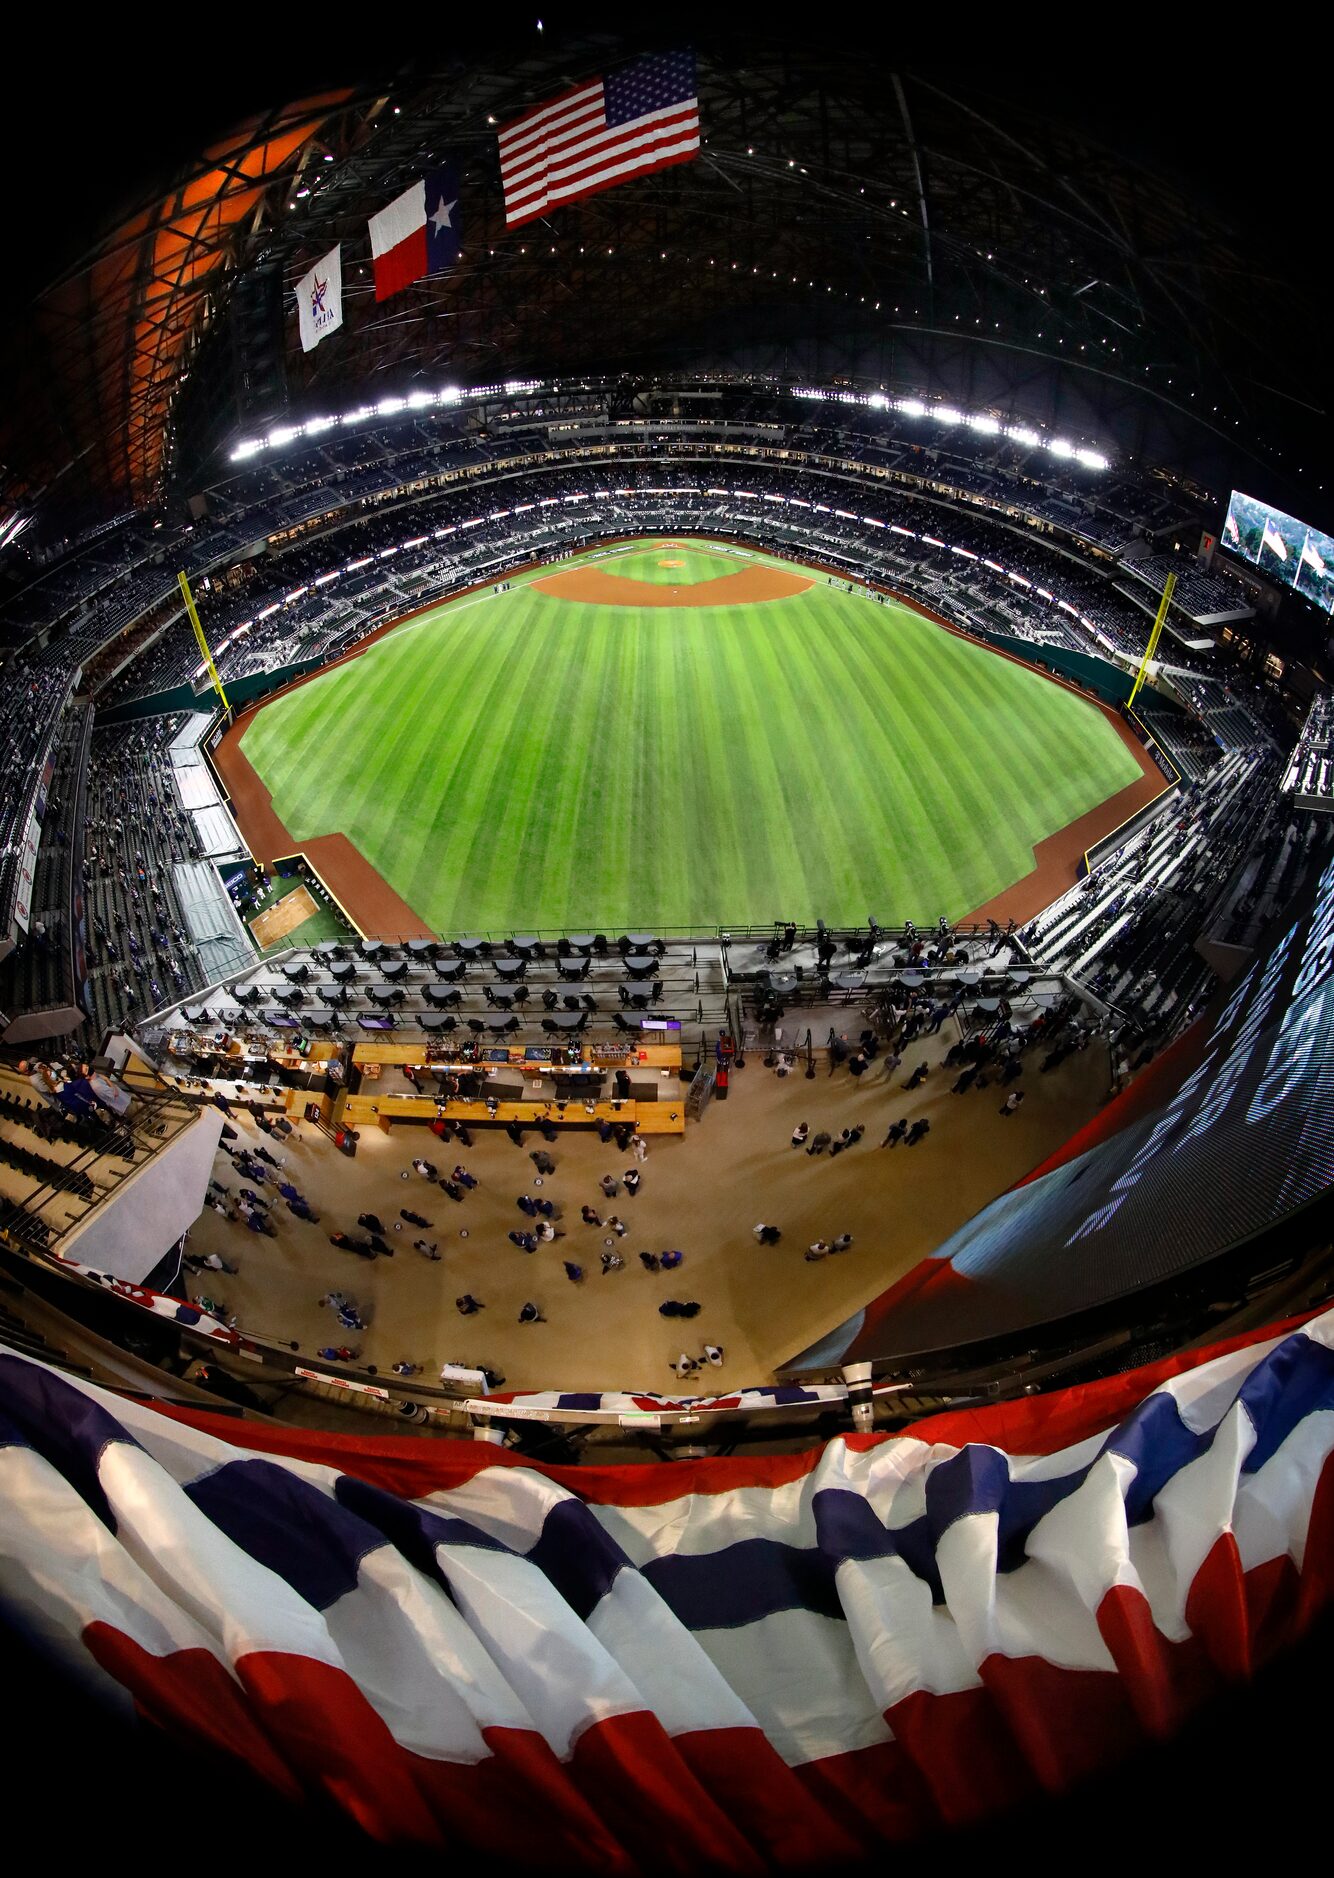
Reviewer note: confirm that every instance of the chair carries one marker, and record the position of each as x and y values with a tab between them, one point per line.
476	1025
571	1004
590	1004
443	1000
551	1027
622	1022
514	1024
657	991
549	1000
623	994
522	995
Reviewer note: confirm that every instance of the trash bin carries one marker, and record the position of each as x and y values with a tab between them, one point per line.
720	1083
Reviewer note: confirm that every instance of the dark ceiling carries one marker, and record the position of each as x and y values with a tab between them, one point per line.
1125	256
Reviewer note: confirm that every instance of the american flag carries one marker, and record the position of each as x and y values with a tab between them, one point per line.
642	118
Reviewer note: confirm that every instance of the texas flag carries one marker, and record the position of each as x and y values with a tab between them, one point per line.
1274	542
418	234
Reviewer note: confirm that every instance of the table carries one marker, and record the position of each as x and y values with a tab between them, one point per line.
642	940
380	994
196	1013
326	949
394	968
566	1020
528	943
988	1004
849	981
496	1025
468	948
781	984
333	992
436	1020
509	968
436	993
639	964
971	975
319	1015
421	948
579	941
913	980
296	972
345	969
1020	975
371	948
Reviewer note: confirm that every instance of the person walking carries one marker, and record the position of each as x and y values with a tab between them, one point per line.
895	1133
618	1226
918	1132
639	1148
546	1232
429	1249
918	1076
526	1241
609	1185
630	1181
1011	1102
611	1262
529	1314
766	1235
841	1244
542	1161
464	1178
818	1249
819	1142
468	1305
590	1216
713	1353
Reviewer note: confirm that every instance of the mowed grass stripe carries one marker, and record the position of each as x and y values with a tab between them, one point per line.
524	760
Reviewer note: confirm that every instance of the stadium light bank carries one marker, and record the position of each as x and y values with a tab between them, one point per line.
980	421
284	434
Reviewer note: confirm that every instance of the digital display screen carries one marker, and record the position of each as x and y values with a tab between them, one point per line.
376	1023
1245	1139
278	1020
1287	550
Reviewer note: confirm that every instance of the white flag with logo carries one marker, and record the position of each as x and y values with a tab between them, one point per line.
319	299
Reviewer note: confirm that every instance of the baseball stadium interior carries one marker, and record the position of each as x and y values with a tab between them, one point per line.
666	947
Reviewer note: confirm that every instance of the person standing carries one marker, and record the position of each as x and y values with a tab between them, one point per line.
819	1143
799	1134
1011	1102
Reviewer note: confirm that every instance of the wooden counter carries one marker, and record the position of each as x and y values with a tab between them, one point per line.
382	1110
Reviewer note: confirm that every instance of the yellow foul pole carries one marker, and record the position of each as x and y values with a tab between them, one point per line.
1154	637
209	666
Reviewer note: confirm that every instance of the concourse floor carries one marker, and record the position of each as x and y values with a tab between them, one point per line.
702	1193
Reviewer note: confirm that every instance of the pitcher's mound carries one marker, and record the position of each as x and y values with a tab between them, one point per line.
594	586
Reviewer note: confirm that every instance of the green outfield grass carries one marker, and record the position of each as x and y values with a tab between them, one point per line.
519	760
